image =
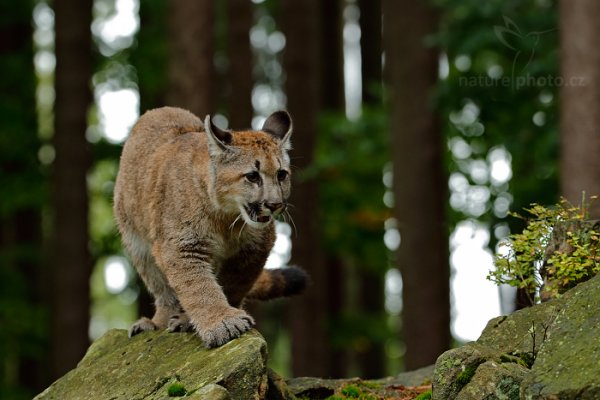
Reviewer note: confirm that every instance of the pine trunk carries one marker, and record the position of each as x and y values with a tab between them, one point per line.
308	316
20	219
190	51
372	280
419	181
580	101
239	99
71	260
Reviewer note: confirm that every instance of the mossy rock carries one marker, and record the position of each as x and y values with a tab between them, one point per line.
561	361
512	334
161	365
494	381
568	364
454	369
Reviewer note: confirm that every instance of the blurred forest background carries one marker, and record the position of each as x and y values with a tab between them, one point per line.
418	126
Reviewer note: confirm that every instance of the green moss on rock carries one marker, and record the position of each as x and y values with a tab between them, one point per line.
465	376
176	390
117	367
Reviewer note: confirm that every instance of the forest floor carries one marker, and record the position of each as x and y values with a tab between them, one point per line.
365	390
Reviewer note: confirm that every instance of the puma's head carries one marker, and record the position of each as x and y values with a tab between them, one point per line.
250	170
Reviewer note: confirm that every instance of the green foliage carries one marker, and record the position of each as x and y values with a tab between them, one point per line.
176	390
424	396
350	160
351	391
357	330
532	264
360	391
496	83
583	262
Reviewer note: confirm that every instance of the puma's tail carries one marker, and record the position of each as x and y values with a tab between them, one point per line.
279	282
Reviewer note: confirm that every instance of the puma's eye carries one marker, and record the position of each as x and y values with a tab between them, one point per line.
253	177
282	175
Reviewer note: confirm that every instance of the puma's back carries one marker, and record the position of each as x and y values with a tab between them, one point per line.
149	147
196	207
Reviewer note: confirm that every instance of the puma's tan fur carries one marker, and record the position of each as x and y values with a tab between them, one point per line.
195	206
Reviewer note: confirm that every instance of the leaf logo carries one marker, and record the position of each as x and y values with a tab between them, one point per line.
524	45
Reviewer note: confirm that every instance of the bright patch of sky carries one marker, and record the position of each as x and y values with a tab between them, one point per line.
114	26
352	68
282	250
119	109
475	300
116	274
116	29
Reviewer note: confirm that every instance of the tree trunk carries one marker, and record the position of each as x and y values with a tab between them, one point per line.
149	56
332	100
580	100
419	183
332	54
307	313
71	258
370	47
22	282
190	50
239	99
372	280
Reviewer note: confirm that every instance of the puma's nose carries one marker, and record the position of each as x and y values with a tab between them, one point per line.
274	207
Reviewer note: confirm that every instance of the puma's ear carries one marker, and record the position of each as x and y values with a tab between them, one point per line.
218	139
279	125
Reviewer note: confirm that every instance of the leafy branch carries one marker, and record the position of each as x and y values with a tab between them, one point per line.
557	250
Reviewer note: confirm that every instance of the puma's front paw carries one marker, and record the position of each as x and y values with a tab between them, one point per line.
229	328
180	323
142	325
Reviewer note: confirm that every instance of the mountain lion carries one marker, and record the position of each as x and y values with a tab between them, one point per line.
196	206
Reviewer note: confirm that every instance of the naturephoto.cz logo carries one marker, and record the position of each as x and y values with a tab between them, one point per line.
521	81
523	47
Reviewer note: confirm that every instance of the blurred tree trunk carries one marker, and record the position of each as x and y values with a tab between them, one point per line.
332	100
307	313
22	353
372	280
71	258
332	55
239	76
370	47
419	182
580	100
149	56
190	56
